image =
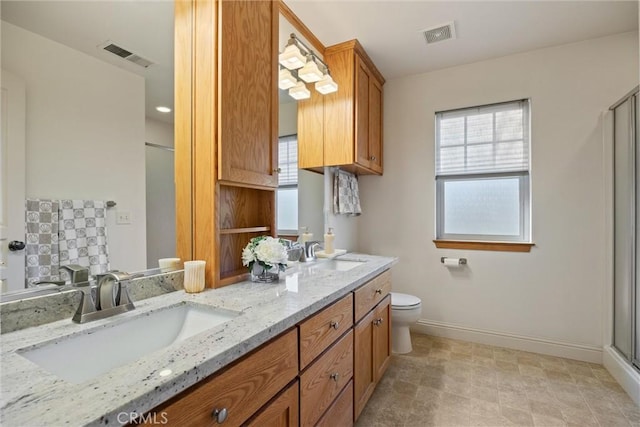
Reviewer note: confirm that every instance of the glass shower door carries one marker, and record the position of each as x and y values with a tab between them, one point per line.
624	229
636	142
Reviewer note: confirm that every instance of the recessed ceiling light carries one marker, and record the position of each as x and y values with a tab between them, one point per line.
163	109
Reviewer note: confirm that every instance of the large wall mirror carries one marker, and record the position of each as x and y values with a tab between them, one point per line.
90	75
301	192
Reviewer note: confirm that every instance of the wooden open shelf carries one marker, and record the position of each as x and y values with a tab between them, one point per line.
245	230
244	213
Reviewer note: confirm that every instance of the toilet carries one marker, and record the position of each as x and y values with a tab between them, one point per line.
405	310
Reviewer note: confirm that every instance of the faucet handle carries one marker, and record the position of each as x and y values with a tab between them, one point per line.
77	273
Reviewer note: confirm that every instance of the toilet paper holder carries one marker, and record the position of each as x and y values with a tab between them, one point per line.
461	261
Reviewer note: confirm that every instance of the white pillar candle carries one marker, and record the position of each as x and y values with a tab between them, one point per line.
194	276
169	264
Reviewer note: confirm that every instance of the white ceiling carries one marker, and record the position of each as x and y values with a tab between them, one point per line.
142	27
388	30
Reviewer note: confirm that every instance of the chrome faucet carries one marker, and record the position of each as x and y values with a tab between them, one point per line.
112	297
309	253
77	274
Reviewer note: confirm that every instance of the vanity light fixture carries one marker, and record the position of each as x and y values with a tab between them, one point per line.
302	63
286	80
326	85
163	109
299	91
292	58
310	72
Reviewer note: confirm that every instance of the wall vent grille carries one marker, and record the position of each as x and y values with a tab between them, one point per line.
123	53
440	33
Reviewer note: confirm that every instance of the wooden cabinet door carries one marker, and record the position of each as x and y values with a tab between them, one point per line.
324	379
248	93
375	125
239	390
282	412
364	380
340	414
311	131
362	83
381	338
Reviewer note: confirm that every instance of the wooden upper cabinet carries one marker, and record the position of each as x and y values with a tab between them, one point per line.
248	93
353	114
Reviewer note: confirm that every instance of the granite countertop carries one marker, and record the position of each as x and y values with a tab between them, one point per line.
32	396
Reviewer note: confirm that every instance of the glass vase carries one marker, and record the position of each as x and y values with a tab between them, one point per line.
263	274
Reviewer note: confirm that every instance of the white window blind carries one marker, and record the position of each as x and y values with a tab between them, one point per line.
487	139
288	161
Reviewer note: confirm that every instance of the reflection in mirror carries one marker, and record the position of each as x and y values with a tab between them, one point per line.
87	77
300	198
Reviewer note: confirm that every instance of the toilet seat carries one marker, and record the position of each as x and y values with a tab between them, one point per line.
401	301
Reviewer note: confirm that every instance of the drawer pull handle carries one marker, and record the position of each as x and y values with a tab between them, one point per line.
334	325
335	376
220	415
379	291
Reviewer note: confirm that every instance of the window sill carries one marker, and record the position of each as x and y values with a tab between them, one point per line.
484	246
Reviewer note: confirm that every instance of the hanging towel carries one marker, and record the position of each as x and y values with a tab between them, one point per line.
83	235
346	197
41	249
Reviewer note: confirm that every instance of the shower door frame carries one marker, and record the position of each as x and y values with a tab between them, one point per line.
634	257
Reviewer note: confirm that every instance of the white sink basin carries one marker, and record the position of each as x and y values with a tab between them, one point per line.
337	265
92	353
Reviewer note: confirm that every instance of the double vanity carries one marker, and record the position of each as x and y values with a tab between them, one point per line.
306	350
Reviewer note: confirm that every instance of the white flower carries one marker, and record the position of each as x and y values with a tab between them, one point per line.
247	256
271	251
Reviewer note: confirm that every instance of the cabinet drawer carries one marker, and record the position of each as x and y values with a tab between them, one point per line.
323	381
370	294
340	414
241	389
282	412
319	331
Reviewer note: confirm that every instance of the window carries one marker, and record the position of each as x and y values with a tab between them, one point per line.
482	173
287	196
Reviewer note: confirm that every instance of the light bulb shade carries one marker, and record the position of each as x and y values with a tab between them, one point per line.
326	85
299	91
286	79
292	58
310	73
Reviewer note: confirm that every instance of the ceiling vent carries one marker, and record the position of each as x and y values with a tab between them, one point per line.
440	33
123	53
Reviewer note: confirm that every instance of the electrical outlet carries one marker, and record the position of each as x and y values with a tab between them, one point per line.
123	217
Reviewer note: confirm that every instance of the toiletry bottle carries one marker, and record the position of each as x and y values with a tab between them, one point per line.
306	235
328	241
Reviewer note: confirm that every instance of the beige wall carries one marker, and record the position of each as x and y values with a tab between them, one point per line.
160	193
85	133
555	292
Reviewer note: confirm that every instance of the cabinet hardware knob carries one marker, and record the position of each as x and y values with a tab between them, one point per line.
334	325
335	376
372	158
277	170
220	415
379	291
378	321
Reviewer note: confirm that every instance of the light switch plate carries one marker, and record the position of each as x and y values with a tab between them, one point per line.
123	217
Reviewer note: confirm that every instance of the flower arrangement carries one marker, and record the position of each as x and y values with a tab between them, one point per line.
267	252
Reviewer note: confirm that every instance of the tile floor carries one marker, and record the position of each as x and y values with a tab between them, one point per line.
444	382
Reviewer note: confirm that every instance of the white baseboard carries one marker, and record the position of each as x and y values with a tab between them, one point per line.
620	369
585	353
